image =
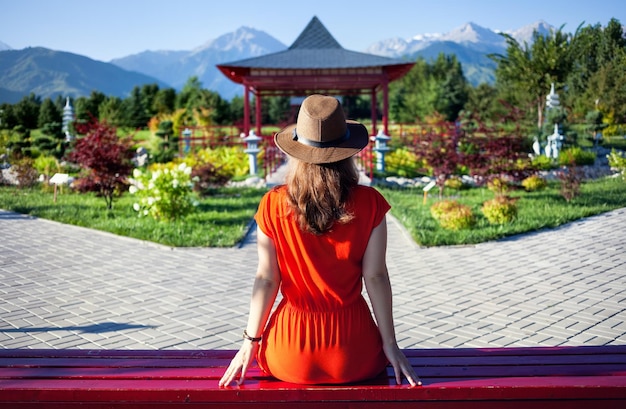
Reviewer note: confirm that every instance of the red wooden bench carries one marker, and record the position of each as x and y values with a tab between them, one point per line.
560	377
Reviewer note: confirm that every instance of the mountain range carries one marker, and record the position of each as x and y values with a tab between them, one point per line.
48	73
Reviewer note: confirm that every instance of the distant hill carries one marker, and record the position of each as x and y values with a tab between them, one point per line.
175	67
49	73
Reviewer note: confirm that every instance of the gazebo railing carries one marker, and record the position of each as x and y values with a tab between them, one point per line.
193	139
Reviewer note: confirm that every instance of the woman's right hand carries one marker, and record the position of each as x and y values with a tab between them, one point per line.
240	364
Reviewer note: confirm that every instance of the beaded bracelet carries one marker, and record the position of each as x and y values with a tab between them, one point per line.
249	338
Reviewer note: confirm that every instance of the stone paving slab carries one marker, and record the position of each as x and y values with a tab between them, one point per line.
69	287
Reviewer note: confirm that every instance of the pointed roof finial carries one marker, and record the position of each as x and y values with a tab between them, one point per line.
315	36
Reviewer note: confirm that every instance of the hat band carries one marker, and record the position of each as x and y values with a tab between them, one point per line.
321	144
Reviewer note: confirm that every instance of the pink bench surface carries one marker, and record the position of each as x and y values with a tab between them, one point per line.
555	377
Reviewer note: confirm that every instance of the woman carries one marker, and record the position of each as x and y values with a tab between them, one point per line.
320	237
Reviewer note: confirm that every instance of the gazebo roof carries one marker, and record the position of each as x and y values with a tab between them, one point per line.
314	53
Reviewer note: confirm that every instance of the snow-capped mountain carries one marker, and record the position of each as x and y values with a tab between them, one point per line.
176	67
470	43
470	34
524	35
244	40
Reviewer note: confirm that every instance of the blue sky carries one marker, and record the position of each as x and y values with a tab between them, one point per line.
109	29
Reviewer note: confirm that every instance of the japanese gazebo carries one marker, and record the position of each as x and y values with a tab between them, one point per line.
315	63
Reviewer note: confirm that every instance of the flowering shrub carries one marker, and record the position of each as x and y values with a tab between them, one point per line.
165	191
229	161
617	161
207	176
452	215
454	182
542	162
500	210
404	163
498	185
534	183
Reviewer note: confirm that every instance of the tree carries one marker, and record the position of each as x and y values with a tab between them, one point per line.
88	108
26	111
51	141
48	113
8	119
165	101
413	96
427	89
148	95
20	143
598	78
482	99
105	160
356	106
525	73
111	111
189	97
136	114
595	125
452	86
168	142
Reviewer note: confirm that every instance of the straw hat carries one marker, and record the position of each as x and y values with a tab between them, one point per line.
322	134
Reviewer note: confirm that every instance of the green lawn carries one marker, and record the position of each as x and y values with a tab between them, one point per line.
223	218
536	210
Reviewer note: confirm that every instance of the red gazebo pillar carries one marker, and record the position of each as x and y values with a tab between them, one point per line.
246	109
374	113
385	85
257	118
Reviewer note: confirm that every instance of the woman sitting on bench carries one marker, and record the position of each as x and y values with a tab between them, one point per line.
320	236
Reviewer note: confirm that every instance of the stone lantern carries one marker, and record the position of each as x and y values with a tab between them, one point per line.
381	148
555	141
252	149
552	99
187	140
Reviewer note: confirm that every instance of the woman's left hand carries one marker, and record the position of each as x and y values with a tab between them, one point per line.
240	363
401	365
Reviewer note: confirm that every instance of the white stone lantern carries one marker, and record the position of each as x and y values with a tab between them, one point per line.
68	117
381	148
555	141
252	149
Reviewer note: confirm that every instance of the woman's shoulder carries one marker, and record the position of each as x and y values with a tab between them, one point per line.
277	190
366	191
274	196
367	194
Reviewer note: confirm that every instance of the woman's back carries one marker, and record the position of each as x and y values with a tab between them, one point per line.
323	327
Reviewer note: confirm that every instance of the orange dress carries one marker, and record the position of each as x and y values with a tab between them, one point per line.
322	330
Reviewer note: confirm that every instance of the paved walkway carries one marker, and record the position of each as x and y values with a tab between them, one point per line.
69	287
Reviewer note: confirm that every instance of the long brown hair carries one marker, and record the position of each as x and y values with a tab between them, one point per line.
318	193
